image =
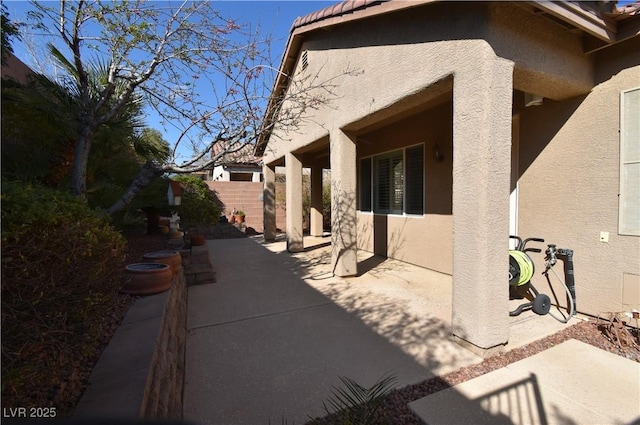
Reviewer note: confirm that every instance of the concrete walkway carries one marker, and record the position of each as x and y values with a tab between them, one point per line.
269	340
572	383
263	345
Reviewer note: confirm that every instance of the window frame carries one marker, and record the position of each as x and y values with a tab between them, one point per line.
370	198
392	189
624	227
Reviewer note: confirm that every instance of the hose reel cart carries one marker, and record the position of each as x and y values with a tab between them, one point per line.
522	269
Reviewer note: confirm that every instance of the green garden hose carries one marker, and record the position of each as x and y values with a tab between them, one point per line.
525	265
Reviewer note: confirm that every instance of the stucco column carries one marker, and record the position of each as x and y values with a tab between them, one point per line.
343	204
482	102
293	176
269	203
316	201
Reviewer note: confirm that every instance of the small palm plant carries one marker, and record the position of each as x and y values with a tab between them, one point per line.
354	404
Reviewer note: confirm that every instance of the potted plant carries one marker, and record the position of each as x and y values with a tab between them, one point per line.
239	216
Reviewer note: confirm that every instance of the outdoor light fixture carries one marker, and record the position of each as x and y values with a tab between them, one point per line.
531	99
437	153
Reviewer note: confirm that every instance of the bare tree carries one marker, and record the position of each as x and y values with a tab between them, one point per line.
206	75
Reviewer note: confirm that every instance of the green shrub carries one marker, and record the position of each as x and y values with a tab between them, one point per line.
198	205
61	270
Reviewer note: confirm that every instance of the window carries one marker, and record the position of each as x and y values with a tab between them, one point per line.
415	180
388	194
629	207
393	183
365	184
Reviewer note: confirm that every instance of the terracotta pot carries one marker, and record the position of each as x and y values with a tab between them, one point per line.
171	258
146	278
174	234
164	229
197	240
239	218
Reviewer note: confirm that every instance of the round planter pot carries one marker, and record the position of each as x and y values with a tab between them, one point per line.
239	218
197	240
146	278
171	258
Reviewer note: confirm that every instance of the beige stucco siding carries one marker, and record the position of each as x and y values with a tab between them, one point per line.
446	75
543	52
424	241
427	45
569	188
395	235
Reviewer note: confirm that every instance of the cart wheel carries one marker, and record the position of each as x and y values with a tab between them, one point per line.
541	304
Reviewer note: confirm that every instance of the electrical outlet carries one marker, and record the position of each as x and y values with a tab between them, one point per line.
604	237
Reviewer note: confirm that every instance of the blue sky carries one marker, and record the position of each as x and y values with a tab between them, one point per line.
275	17
278	15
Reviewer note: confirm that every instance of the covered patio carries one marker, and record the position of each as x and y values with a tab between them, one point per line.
408	305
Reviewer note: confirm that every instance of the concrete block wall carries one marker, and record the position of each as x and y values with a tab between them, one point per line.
140	374
163	392
245	196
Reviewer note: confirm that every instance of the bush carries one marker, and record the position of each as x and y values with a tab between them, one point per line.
199	206
61	270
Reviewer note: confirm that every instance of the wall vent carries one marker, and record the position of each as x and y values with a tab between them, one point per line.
305	60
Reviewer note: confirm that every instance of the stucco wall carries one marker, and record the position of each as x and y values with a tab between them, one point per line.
569	189
568	147
394	235
427	45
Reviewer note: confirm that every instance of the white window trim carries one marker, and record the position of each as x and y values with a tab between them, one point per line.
404	200
625	161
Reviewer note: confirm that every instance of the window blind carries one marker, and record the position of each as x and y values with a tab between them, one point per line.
629	203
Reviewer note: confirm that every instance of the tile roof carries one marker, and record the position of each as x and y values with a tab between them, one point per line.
313	21
243	156
346	6
349	6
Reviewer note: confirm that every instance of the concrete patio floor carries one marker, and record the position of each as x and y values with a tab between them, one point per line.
270	339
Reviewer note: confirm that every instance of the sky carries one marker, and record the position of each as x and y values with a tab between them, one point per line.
274	16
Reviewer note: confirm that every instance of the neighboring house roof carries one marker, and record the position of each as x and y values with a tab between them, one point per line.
15	69
242	156
603	21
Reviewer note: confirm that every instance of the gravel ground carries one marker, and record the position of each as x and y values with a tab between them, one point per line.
138	245
609	336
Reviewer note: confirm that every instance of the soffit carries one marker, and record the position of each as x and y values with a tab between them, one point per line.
603	22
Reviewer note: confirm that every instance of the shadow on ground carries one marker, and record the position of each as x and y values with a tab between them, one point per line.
263	344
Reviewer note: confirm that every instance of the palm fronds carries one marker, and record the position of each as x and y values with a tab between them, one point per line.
355	404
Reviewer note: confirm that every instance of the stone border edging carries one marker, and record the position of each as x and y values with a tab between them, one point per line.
140	374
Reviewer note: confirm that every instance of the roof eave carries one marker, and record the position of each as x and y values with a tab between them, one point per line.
589	20
294	43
